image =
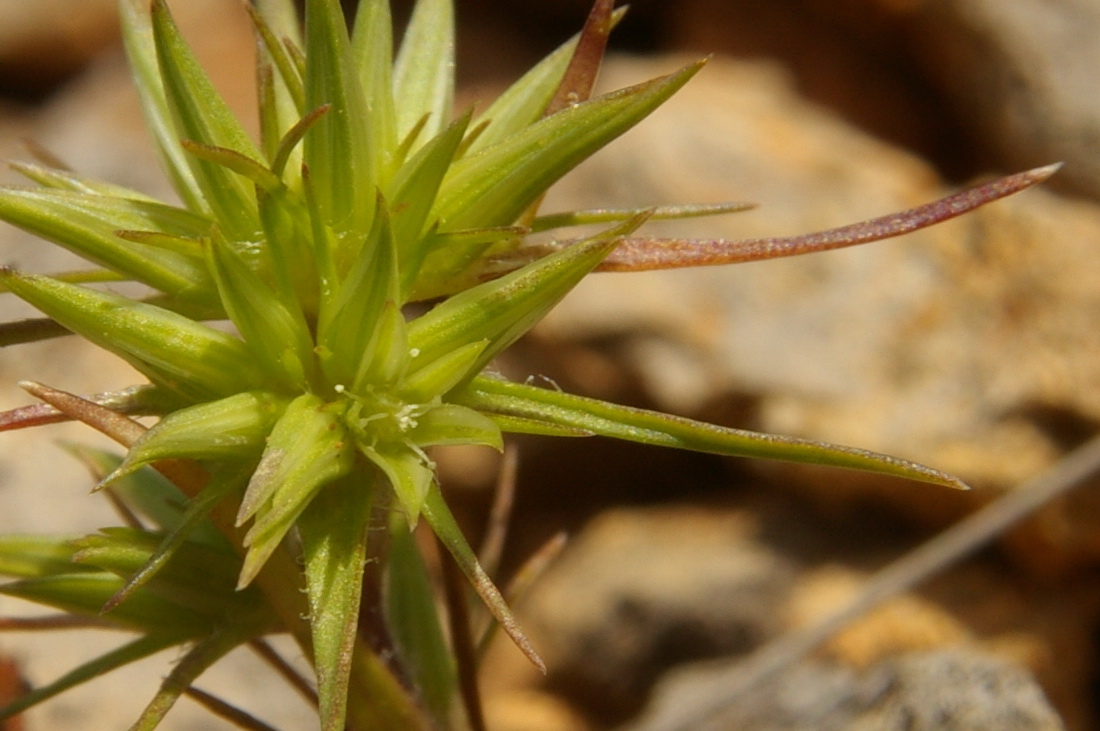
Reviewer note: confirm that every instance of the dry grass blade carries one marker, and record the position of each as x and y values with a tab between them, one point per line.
492	547
231	713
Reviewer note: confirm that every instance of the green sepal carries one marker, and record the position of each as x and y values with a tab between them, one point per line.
446	528
449	424
201	115
274	328
342	164
410	602
133	651
231	428
307	449
333	530
385	358
437	377
492	396
408	470
501	310
87	225
173	351
423	73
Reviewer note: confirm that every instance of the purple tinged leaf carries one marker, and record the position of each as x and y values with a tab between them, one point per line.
642	254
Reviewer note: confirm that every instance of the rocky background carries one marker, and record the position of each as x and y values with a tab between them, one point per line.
970	346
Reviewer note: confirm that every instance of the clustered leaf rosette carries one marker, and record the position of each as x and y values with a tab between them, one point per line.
364	195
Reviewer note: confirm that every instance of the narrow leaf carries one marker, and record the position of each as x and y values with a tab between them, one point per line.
584	65
410	604
137	35
342	165
202	115
333	530
424	70
87	225
493	396
501	310
183	356
641	254
443	523
131	652
526	100
184	672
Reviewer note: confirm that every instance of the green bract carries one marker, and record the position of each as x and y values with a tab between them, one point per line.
286	440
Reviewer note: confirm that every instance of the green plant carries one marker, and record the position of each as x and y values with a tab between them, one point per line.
279	446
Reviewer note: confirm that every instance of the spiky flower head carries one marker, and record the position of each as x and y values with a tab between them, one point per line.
364	195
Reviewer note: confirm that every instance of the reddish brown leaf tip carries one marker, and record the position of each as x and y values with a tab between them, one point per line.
641	254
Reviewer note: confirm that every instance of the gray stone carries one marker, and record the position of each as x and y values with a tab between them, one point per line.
944	690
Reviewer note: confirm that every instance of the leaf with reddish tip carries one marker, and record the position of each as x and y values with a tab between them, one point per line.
580	76
642	254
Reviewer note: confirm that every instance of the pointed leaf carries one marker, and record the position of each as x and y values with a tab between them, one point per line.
501	310
446	528
87	224
424	70
641	254
343	166
174	352
201	115
137	36
333	530
131	652
493	187
493	396
526	100
410	603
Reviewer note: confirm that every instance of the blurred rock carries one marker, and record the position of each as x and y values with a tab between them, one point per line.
639	591
946	690
960	346
45	41
1022	75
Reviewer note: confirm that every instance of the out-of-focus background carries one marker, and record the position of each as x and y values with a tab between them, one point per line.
971	346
